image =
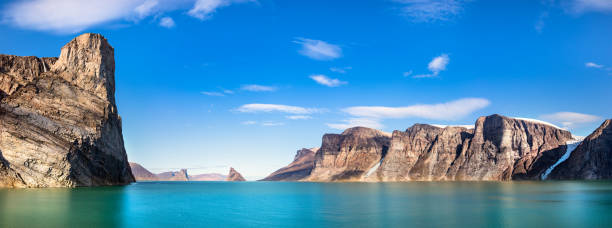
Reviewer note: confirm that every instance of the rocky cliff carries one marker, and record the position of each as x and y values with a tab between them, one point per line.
59	125
498	148
207	177
234	176
349	155
592	159
299	169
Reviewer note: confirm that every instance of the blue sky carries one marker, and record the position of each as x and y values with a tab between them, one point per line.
208	84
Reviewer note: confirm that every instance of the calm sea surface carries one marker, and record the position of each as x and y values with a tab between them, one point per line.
276	204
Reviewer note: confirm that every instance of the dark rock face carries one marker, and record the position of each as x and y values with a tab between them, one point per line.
300	168
59	125
498	148
234	176
349	155
591	160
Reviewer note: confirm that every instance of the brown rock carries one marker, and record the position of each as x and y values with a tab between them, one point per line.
498	148
299	169
173	176
349	155
59	125
234	176
591	160
141	173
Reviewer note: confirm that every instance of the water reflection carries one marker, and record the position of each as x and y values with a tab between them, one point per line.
274	204
61	207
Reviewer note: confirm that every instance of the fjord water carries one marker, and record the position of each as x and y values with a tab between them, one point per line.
290	204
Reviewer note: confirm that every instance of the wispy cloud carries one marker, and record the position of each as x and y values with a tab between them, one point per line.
318	49
341	70
430	10
272	124
298	117
326	81
371	116
445	111
258	88
570	120
166	22
436	65
540	23
255	108
249	122
72	16
214	94
356	122
593	65
585	6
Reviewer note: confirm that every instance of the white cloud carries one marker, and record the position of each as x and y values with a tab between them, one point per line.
258	88
356	122
430	10
146	8
166	22
228	91
72	16
407	73
341	70
570	120
254	108
272	124
214	94
318	49
584	6
445	111
249	122
540	23
324	80
203	9
593	65
298	117
68	16
436	65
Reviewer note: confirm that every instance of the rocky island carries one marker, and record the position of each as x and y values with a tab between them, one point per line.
234	175
142	174
59	125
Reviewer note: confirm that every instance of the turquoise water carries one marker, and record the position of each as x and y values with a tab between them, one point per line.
277	204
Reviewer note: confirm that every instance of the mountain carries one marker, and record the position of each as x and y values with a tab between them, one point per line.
59	125
592	158
234	176
496	148
173	176
142	174
349	155
299	169
207	177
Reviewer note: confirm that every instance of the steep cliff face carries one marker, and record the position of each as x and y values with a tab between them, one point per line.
422	152
498	148
299	169
349	155
505	148
59	125
234	176
592	159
